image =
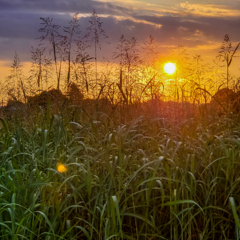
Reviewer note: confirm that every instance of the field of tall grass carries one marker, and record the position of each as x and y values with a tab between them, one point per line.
83	177
114	157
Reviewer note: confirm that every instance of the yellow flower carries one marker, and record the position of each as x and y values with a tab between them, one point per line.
61	168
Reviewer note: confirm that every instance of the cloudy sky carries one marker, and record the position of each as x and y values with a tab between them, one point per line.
199	26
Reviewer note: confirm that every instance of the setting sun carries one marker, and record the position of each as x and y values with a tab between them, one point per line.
170	68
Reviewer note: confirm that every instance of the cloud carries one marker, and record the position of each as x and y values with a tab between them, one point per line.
209	46
210	10
211	27
121	18
189	24
64	6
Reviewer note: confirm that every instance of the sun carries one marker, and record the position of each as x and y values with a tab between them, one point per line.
170	68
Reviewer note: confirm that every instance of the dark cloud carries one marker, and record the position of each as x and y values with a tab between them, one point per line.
212	27
18	24
81	6
20	18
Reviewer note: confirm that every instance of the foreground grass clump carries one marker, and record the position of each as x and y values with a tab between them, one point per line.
148	179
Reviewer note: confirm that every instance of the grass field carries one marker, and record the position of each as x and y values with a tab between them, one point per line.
127	151
146	179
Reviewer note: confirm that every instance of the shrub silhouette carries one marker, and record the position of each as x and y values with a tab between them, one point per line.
74	94
228	99
54	96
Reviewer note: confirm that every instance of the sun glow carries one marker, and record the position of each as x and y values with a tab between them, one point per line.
170	68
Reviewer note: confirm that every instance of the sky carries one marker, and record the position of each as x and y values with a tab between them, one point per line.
199	26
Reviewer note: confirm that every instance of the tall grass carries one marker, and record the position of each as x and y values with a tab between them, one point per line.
143	180
175	177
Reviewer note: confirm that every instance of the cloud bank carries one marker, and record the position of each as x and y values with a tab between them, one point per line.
187	23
